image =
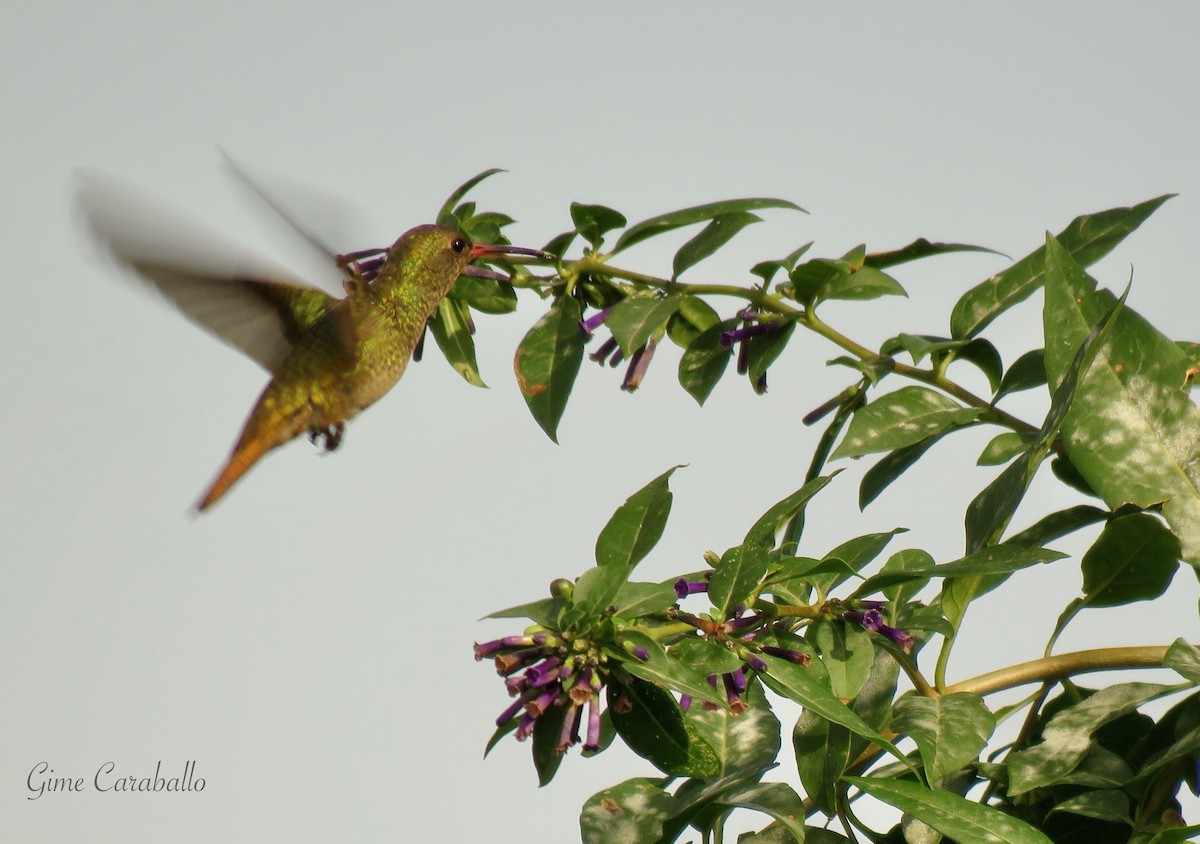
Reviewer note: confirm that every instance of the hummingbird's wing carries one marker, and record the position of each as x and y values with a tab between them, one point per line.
243	301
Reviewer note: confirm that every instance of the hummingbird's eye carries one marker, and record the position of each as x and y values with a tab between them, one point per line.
459	245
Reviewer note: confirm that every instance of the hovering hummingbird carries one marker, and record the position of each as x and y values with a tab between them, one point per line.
329	357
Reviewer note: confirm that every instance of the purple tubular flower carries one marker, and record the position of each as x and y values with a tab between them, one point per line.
638	365
608	348
541	703
593	725
871	619
685	702
510	713
685	587
904	640
492	647
794	657
587	326
756	663
736	624
746	332
581	691
570	729
525	727
734	694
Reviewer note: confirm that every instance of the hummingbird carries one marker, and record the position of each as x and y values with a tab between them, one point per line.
330	357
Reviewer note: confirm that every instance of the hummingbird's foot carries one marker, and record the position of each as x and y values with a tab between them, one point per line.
331	436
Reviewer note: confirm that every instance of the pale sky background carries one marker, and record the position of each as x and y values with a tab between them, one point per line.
308	642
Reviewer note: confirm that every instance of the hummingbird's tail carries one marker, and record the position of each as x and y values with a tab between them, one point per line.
244	456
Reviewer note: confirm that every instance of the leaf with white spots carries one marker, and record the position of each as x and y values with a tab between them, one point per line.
951	815
949	730
900	419
633	812
1067	737
1132	430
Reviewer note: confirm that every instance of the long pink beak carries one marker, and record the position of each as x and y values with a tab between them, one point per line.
482	250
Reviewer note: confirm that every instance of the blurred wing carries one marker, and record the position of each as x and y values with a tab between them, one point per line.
212	283
328	219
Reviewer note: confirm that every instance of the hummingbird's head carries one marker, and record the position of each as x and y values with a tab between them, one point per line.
437	256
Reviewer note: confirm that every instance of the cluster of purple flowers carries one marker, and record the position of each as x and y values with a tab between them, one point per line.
734	682
753	325
611	353
543	671
870	617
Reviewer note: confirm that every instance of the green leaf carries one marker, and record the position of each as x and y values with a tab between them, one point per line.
654	729
632	812
771	522
1002	448
891	466
745	744
1088	239
848	654
766	270
989	513
918	249
1107	804
632	321
1028	371
449	328
1179	835
772	798
812	276
705	655
593	221
861	284
547	731
1059	524
1132	431
690	320
950	730
486	295
900	419
822	751
635	600
990	560
720	230
445	217
909	558
559	244
1067	737
598	587
737	575
705	360
637	525
663	670
802	685
764	350
961	819
541	612
1184	658
697	214
985	357
856	553
547	362
1133	560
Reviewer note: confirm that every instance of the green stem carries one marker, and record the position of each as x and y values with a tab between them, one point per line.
807	317
1055	668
